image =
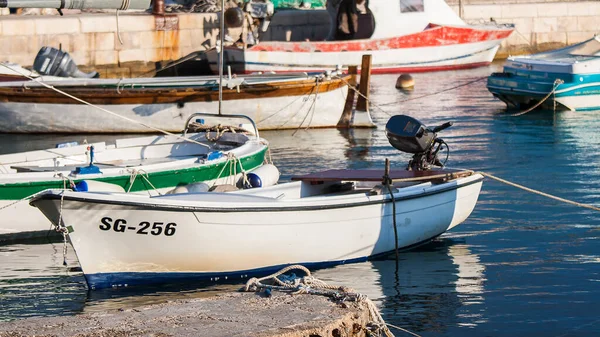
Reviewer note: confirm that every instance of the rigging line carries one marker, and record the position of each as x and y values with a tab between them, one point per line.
435	93
352	87
297	112
280	110
539	192
312	115
178	62
40	81
310	108
402	329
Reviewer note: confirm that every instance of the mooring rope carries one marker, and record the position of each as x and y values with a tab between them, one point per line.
379	106
557	82
539	192
313	286
142	173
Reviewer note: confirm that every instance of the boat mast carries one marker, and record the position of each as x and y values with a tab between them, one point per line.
222	41
77	4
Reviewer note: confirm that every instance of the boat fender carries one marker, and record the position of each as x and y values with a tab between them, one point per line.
96	186
266	175
405	81
214	155
190	188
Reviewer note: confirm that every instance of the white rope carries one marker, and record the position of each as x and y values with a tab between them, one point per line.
134	173
118	29
539	192
311	285
104	110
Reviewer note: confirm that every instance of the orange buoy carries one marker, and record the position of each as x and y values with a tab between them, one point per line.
405	81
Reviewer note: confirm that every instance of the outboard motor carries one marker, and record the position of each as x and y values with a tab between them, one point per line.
411	136
54	62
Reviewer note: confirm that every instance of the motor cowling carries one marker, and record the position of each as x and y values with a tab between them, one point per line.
408	134
54	62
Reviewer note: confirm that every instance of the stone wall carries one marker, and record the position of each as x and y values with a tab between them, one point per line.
539	25
93	41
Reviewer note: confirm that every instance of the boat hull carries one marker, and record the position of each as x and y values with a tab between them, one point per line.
531	88
215	240
437	48
562	79
277	106
24	221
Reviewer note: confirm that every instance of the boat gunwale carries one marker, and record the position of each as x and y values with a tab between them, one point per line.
385	199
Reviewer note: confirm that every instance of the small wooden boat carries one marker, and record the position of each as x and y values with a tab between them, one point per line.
402	36
319	219
274	101
149	165
569	77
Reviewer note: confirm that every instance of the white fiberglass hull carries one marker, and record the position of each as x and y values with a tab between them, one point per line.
125	240
285	112
383	61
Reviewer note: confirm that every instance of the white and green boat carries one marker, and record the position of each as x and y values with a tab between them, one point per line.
150	165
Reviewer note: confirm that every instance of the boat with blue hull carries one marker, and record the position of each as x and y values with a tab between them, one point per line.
563	79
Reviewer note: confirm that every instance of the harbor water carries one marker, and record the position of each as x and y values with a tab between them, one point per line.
521	264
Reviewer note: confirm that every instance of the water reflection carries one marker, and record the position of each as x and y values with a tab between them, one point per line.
426	290
34	282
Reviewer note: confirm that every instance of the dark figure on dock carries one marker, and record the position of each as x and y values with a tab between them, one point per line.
354	20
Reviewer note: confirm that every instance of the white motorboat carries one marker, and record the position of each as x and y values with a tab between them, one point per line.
319	219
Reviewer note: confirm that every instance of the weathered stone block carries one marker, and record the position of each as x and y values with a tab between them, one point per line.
582	8
81	42
566	24
519	39
588	24
576	37
57	41
523	25
557	9
98	23
545	25
136	23
185	38
82	58
104	41
101	57
129	55
552	37
118	73
481	11
56	25
519	11
18	26
197	20
22	45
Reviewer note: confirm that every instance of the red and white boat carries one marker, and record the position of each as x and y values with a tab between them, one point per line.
402	36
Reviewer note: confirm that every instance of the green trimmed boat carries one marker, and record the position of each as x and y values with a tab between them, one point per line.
150	165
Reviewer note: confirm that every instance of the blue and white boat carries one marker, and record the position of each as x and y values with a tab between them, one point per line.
569	77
